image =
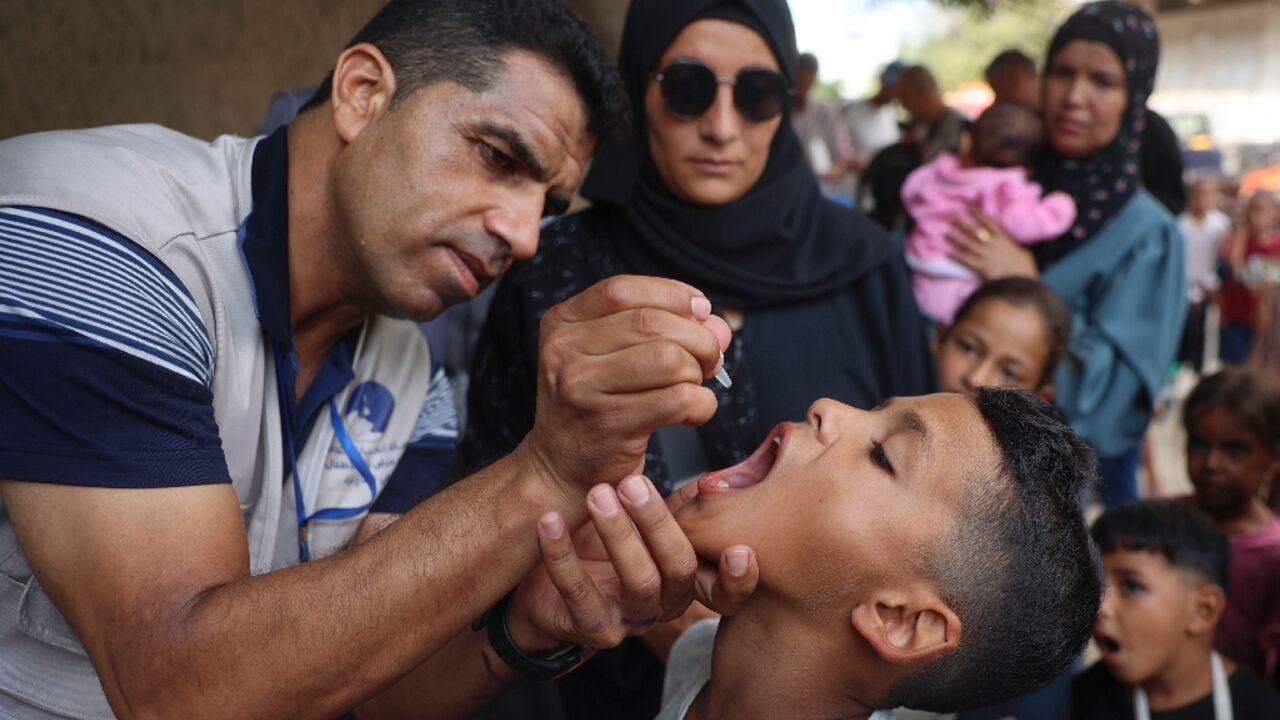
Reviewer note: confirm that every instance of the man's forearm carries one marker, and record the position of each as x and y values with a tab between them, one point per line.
318	639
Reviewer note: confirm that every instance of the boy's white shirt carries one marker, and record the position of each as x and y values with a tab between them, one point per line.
689	669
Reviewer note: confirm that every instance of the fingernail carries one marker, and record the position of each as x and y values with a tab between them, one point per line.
701	307
604	501
737	562
552	525
636	490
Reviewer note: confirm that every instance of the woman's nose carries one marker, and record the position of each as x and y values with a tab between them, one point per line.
721	123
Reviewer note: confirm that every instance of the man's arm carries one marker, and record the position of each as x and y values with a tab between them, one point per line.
156	582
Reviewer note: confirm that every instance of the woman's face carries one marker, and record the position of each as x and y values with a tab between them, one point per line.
715	158
1085	96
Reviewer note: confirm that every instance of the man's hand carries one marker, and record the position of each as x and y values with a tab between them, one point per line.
625	357
629	569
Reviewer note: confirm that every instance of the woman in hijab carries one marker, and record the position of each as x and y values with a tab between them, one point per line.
1120	267
712	190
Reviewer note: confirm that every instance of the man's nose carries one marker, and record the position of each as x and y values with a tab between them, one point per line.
518	224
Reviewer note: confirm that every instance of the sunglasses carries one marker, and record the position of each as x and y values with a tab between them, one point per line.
689	88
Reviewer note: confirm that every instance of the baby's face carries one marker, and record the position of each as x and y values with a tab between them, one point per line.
1140	628
996	344
848	499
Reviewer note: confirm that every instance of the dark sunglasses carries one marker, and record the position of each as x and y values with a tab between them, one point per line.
689	88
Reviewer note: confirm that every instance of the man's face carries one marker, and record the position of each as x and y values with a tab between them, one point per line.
438	195
848	500
1141	626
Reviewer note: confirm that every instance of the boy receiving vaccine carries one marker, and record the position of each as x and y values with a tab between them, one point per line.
1166	570
990	174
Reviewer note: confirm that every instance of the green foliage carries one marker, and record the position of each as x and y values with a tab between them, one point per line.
979	30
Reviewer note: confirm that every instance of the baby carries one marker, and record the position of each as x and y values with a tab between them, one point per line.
990	174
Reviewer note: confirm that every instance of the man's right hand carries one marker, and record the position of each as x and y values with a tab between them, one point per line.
625	357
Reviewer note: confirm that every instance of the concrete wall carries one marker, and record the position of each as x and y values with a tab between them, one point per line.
205	68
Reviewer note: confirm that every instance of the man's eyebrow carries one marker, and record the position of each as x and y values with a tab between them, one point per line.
914	424
519	148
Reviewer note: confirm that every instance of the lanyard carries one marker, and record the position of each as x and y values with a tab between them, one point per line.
1221	695
348	447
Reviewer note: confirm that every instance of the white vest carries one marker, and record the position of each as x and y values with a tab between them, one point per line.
184	200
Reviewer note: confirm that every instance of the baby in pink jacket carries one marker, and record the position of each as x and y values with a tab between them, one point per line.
990	174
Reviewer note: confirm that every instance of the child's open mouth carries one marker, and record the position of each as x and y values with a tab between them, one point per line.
1108	646
749	472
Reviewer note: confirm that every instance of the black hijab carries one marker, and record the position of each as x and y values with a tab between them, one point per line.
779	243
1103	183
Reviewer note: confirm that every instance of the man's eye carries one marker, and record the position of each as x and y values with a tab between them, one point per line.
497	159
879	458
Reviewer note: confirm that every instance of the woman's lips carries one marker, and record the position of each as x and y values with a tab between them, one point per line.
714	166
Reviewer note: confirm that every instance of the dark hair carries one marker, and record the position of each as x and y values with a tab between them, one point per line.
1007	134
1018	569
466	41
808	61
918	76
1009	60
1021	292
1172	528
1251	395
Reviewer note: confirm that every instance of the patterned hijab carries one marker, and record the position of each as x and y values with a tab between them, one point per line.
1103	183
782	241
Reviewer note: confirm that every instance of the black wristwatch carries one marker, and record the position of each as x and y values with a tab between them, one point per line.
541	668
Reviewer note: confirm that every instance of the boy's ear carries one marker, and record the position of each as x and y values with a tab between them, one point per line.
1207	603
363	86
1046	392
912	627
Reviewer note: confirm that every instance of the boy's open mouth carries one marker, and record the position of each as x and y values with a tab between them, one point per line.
1107	645
749	472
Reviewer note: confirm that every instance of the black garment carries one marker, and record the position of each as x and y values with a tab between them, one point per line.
1103	183
1191	350
1161	162
859	345
1097	695
885	175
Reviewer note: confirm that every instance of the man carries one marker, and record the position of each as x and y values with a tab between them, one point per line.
204	385
872	123
822	135
1013	77
935	127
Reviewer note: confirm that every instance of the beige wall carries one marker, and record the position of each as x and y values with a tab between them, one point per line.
204	68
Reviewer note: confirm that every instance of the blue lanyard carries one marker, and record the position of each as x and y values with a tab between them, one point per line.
348	446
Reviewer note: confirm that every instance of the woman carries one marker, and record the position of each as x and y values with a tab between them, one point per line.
712	190
1120	267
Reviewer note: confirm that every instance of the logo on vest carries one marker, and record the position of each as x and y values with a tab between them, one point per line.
368	411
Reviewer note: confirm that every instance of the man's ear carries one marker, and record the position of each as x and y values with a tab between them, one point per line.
1207	603
908	627
363	86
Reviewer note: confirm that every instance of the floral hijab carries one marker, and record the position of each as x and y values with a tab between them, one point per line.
1103	183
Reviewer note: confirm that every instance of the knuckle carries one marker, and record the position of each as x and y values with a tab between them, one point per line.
645	322
577	592
647	589
667	357
615	293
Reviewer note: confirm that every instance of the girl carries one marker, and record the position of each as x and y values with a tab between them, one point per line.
1233	452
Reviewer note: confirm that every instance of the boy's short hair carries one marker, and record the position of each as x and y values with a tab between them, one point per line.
1251	395
1021	292
1172	528
1018	569
1007	134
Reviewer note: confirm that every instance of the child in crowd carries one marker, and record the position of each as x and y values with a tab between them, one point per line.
1010	332
1204	229
990	174
1254	259
1232	420
929	553
1166	569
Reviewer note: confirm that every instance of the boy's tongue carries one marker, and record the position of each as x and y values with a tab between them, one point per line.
748	473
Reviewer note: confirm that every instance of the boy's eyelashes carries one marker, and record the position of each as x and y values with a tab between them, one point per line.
879	457
1129	586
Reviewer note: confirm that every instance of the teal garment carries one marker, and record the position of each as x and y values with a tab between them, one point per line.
1127	289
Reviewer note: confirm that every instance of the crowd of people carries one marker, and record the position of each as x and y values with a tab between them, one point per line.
691	465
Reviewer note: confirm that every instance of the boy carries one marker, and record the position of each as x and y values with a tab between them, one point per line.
1166	569
928	553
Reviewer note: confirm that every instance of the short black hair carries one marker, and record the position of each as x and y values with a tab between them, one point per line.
1023	292
919	77
1018	569
808	61
1007	134
1174	529
466	41
1009	60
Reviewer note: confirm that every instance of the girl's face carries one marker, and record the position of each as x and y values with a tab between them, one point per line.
1085	96
1260	214
1227	461
996	344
